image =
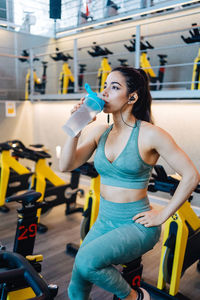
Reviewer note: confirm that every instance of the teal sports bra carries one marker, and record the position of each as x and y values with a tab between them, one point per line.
128	170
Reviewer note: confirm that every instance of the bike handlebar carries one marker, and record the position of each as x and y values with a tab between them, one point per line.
5	146
20	150
87	169
20	268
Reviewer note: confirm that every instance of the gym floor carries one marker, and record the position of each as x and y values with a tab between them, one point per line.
57	265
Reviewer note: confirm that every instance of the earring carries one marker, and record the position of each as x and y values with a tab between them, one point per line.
132	98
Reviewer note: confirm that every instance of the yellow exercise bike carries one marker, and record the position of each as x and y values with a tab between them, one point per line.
66	78
194	38
20	276
14	177
54	190
155	80
105	67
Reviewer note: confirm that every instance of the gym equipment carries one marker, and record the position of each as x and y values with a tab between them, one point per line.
26	56
194	35
103	73
180	248
84	18
181	241
111	9
81	76
194	38
105	67
160	181
84	15
99	51
39	85
19	277
145	64
196	73
15	272
66	78
14	177
123	62
54	190
91	205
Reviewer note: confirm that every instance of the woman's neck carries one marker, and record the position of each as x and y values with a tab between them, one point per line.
121	121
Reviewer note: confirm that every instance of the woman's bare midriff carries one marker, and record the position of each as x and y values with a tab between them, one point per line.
122	195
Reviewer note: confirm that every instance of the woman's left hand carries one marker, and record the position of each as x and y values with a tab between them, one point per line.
149	218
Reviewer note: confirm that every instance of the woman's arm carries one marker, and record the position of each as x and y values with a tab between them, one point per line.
74	155
166	147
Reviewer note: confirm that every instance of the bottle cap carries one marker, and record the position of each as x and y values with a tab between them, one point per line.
92	100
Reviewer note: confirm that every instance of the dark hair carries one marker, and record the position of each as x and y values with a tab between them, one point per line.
138	81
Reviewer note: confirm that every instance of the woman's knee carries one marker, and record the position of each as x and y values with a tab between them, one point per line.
85	264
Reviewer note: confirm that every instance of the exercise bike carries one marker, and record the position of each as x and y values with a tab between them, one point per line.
111	9
15	268
19	271
181	240
39	85
54	190
91	205
105	67
194	38
82	69
160	181
145	64
14	177
66	78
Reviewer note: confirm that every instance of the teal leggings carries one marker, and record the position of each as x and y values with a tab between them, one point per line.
114	239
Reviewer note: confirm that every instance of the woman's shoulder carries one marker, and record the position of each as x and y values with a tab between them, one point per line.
95	131
153	133
148	127
99	130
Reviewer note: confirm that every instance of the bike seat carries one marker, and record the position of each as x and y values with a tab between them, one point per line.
4	146
30	196
133	263
37	145
87	169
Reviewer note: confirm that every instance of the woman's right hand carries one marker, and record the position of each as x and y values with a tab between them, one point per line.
77	106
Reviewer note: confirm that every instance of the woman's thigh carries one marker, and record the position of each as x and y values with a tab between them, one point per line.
119	245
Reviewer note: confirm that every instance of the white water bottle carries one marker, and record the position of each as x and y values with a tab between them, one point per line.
91	106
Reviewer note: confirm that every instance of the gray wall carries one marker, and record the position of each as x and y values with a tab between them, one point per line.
12	71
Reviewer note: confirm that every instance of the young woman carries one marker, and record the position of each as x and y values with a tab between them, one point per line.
126	152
